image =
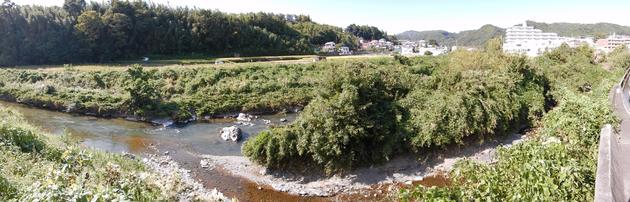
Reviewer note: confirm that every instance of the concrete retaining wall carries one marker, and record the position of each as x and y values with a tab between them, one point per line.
612	182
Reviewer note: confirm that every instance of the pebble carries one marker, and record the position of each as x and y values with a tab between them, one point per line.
259	188
166	153
204	163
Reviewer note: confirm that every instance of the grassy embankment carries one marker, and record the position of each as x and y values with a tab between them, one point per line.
40	167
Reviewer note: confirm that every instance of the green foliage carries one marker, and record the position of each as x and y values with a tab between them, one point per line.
366	32
474	38
366	114
491	98
124	30
142	88
597	30
620	57
353	121
7	191
172	92
74	7
558	163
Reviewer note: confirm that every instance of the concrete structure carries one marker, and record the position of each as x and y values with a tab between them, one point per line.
580	41
433	50
612	181
523	39
407	50
613	41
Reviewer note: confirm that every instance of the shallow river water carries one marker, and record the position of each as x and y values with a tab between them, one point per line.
184	144
119	135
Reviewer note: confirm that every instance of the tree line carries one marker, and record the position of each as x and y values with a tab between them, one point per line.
81	32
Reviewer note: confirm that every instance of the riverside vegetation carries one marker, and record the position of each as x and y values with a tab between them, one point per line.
362	112
559	161
40	167
366	113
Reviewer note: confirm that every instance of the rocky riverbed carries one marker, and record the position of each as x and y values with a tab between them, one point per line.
407	169
177	179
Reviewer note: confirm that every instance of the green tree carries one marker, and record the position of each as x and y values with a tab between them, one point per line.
74	7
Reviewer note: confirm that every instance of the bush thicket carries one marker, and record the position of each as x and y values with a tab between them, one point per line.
559	161
365	114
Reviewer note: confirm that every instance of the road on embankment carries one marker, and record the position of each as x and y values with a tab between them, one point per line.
613	166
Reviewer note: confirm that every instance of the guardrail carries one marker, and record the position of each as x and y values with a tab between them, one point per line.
612	181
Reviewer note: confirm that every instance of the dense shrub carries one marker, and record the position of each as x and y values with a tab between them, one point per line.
366	114
174	92
353	121
620	58
463	102
142	88
559	161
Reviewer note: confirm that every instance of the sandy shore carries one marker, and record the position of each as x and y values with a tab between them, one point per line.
405	169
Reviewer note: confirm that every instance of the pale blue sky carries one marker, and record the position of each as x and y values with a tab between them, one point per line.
402	15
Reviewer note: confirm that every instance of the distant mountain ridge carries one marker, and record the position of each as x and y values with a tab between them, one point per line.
478	37
597	30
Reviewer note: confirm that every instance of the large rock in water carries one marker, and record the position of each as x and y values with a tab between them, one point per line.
244	117
232	133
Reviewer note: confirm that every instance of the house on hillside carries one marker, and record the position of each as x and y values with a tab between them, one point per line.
345	50
329	47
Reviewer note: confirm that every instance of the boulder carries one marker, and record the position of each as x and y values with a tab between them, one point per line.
244	117
283	120
232	133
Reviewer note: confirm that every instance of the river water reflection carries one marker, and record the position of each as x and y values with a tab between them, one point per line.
119	135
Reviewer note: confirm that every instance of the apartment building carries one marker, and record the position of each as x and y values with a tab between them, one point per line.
613	41
523	39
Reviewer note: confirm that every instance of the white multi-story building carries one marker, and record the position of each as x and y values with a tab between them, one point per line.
613	41
523	39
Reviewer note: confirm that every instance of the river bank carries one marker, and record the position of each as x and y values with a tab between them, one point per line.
369	182
163	121
235	176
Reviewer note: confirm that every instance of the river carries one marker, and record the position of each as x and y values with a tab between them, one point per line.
186	144
183	143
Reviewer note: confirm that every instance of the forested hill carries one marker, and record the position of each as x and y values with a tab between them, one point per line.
479	36
598	30
101	32
465	38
